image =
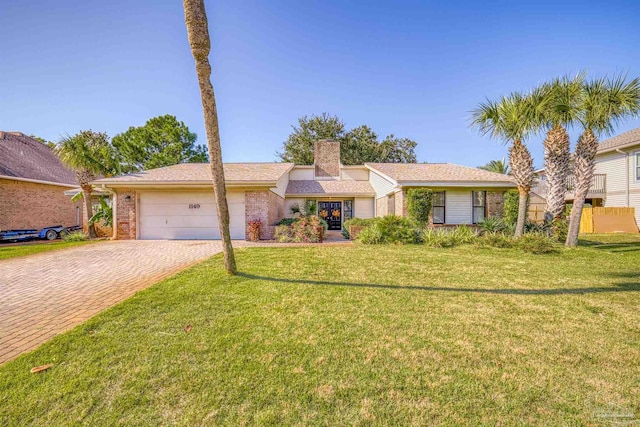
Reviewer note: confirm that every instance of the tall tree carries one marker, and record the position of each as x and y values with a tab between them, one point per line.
511	119
162	141
195	18
497	166
556	110
90	154
604	104
357	146
298	148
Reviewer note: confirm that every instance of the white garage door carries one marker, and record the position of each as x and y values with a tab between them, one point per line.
187	215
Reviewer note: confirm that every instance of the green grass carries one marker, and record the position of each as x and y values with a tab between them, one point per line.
359	335
7	252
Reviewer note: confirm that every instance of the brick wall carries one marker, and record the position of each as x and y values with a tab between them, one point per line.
495	203
31	205
400	203
125	229
382	206
266	206
326	156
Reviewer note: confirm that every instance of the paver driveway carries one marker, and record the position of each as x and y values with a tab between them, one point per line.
45	294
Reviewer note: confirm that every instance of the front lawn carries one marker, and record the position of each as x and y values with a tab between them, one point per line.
354	335
12	251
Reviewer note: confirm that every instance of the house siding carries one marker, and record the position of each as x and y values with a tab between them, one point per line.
458	207
32	205
266	206
616	166
364	207
381	185
301	174
354	174
126	215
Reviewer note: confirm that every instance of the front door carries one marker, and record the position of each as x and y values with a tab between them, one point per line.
332	213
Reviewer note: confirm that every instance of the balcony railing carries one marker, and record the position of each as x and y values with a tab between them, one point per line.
598	185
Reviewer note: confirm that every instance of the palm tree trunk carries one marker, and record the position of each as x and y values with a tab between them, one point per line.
522	172
88	209
556	167
198	32
522	211
584	164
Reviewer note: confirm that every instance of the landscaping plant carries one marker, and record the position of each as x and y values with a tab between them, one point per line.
419	201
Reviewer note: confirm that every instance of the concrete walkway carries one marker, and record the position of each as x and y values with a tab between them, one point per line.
46	294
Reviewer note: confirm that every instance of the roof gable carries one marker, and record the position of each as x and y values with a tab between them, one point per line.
23	157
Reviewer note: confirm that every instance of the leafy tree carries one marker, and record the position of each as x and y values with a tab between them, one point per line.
357	146
90	154
497	166
195	17
512	119
162	141
604	104
298	148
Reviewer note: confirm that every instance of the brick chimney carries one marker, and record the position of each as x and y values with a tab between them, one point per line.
326	157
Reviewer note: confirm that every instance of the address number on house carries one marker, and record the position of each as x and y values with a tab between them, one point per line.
194	205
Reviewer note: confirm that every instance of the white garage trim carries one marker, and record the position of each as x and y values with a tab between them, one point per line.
187	215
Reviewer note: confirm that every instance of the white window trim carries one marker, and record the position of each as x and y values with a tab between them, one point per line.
636	156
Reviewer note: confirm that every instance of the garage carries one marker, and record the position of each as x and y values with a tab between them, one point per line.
177	215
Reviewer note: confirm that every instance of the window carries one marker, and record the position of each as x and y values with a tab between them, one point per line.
348	210
638	166
479	205
438	203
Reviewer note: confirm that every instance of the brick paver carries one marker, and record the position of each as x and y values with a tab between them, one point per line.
45	294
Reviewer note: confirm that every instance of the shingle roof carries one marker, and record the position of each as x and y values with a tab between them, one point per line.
329	187
201	172
437	172
27	158
624	139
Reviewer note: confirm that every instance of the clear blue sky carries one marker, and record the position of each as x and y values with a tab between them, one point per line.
412	68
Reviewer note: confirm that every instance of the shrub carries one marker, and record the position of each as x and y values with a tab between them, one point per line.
463	235
361	222
308	229
254	229
536	243
559	230
391	229
510	207
76	236
283	233
437	238
495	240
492	224
419	202
534	227
286	221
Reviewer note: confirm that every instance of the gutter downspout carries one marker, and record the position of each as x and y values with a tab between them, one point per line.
626	155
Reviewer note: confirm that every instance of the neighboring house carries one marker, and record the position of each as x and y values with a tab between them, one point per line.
616	180
177	202
32	185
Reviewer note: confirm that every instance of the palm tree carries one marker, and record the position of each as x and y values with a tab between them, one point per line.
497	166
556	109
605	103
90	154
195	18
510	119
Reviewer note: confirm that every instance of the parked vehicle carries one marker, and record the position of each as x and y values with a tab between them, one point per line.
47	233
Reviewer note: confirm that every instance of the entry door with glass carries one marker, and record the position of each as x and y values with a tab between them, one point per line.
332	213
